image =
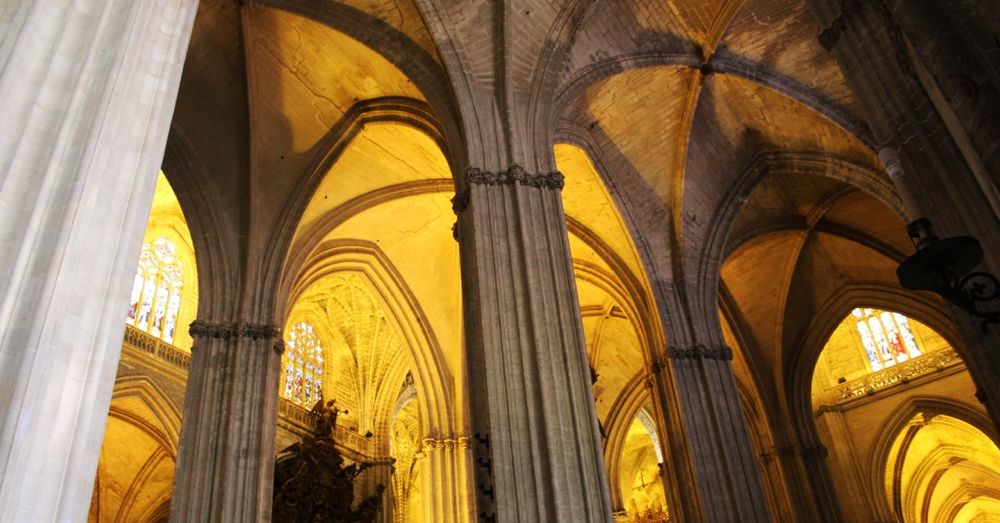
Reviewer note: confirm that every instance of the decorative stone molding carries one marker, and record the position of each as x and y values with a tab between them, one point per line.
460	202
461	442
253	331
701	352
204	329
899	373
829	37
814	452
257	331
157	348
515	174
809	452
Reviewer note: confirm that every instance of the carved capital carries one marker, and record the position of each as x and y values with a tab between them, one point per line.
257	331
460	202
701	352
818	451
233	331
204	329
461	442
829	37
515	175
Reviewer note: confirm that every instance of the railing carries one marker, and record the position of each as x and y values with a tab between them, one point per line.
899	373
289	412
159	349
299	416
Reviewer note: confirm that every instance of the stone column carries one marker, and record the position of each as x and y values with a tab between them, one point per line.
446	496
953	41
724	464
932	175
536	445
849	477
808	481
226	455
88	90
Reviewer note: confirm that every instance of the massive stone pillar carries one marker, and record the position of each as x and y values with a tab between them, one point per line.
226	455
88	90
536	446
959	65
718	442
931	172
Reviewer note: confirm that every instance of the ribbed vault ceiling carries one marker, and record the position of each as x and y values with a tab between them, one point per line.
669	102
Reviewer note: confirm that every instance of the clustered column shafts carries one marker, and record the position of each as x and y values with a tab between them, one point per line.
226	453
445	463
725	467
874	55
88	90
536	445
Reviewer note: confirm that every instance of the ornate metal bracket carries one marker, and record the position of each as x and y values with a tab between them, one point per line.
945	267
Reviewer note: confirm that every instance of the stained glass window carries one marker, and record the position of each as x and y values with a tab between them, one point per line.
303	365
156	290
886	337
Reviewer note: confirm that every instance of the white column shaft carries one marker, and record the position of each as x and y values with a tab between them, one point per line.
88	90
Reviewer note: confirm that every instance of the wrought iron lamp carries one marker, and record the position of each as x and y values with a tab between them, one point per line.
946	267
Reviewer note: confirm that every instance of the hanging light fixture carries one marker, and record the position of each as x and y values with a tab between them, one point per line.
946	267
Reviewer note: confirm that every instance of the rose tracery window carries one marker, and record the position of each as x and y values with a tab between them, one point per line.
886	337
303	365
156	291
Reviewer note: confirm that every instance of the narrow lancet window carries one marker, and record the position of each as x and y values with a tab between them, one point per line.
156	290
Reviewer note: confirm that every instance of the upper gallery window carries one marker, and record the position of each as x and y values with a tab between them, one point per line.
303	365
886	336
156	291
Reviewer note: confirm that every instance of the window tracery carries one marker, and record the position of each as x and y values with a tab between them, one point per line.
156	291
886	337
303	365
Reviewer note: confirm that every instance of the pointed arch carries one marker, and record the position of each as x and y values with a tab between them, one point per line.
432	378
930	312
899	423
166	412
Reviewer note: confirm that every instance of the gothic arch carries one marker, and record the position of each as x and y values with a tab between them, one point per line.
311	237
399	110
166	412
216	261
396	47
432	378
766	163
628	403
853	294
898	424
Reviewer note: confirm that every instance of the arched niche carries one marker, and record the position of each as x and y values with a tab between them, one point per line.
640	477
136	468
942	468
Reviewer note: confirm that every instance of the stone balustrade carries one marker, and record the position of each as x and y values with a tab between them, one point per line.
899	373
288	411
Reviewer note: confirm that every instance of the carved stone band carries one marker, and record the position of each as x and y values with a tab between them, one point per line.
448	443
805	451
227	331
701	352
828	37
514	175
